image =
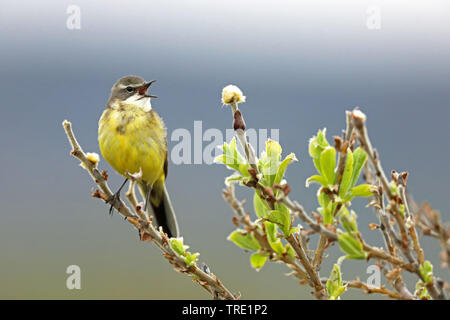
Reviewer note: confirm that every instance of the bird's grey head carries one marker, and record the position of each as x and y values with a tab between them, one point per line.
131	90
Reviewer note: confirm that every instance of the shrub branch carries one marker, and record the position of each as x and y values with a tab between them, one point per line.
144	225
413	258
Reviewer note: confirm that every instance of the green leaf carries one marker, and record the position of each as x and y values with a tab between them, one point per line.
328	164
220	159
363	190
426	272
317	178
260	206
317	165
282	207
347	176
243	169
290	251
352	246
276	217
257	261
402	210
335	285
274	241
191	259
282	219
277	246
234	178
282	168
273	149
359	159
323	199
348	220
271	231
394	188
327	207
195	277
337	292
317	144
421	291
262	160
244	240
327	215
232	158
230	153
178	246
273	154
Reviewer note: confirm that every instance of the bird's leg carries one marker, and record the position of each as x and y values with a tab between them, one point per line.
147	199
115	198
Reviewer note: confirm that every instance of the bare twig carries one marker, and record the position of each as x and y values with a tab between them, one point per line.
390	237
386	227
429	221
239	129
312	273
383	255
317	262
411	227
359	119
342	152
300	212
371	289
147	231
131	197
358	284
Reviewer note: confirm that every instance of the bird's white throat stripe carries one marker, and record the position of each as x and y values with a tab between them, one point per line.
143	103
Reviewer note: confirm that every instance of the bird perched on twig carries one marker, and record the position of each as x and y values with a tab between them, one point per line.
132	139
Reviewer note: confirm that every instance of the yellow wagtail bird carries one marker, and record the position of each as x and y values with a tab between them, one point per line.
132	138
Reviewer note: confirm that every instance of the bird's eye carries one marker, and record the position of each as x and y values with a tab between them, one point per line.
129	89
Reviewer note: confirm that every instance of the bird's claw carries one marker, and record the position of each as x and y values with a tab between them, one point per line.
114	201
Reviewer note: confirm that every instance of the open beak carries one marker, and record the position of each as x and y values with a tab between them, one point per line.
143	90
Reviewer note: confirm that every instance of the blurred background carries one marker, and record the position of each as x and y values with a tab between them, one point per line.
301	64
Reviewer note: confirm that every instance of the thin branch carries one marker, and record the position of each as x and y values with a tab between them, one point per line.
236	205
239	127
389	234
411	227
357	284
429	221
342	150
131	197
386	227
372	289
359	119
383	255
230	197
147	231
318	257
372	251
300	212
310	270
406	224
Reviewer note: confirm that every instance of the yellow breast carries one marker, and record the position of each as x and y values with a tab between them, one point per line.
132	139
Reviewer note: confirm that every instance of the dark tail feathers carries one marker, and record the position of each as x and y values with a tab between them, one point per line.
162	208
